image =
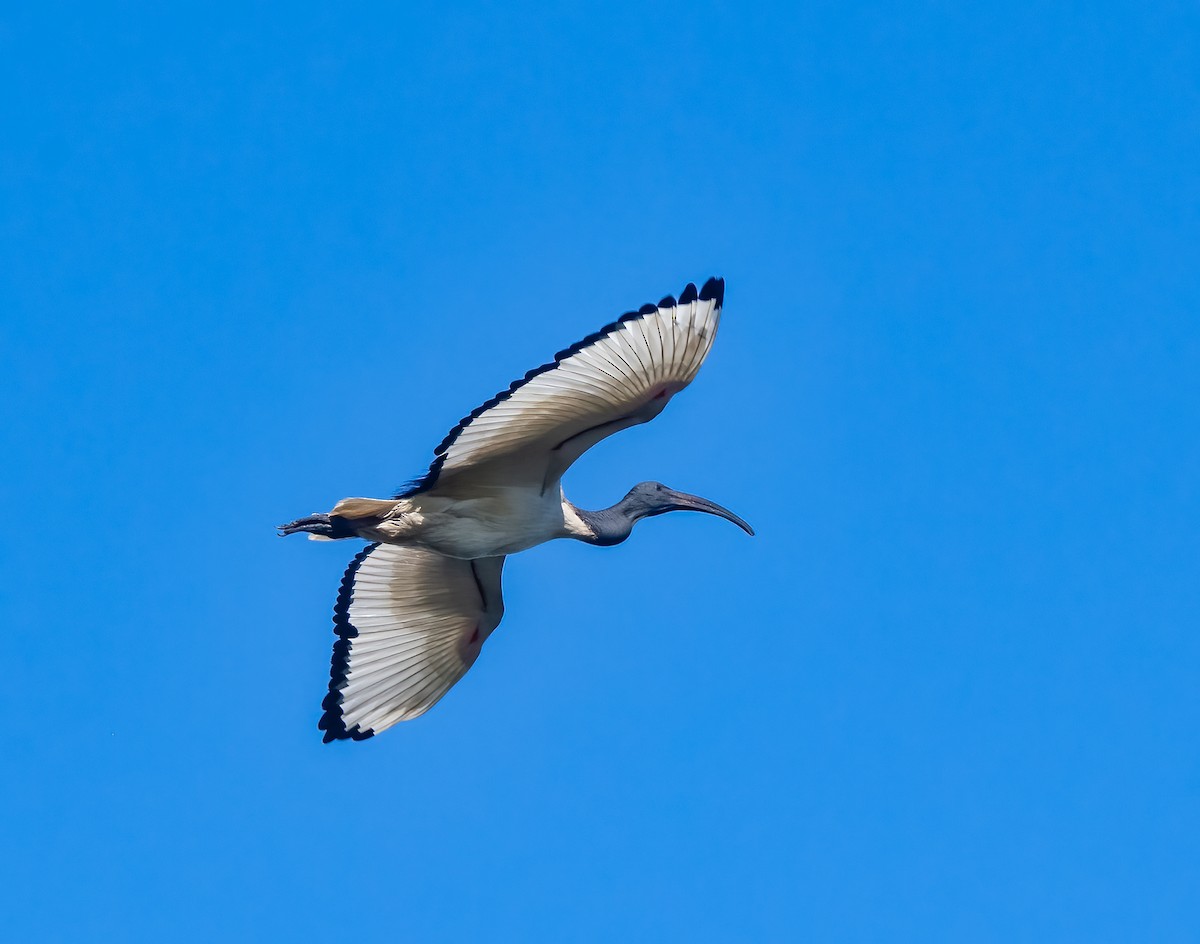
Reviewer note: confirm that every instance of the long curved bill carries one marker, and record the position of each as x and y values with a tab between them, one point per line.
682	501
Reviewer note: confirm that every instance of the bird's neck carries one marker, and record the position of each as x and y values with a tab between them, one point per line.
604	528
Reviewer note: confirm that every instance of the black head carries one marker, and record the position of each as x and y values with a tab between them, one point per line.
653	498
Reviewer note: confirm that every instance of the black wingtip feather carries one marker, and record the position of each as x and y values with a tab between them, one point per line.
713	288
331	721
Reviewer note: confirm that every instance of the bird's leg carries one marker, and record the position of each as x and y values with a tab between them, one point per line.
350	518
321	526
317	524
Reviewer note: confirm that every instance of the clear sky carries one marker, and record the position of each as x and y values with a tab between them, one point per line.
257	259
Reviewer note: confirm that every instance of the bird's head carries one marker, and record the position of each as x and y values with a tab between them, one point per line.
653	498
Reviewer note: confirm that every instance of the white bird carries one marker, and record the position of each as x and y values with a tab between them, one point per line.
417	604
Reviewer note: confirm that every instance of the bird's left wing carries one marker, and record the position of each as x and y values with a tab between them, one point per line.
409	624
622	375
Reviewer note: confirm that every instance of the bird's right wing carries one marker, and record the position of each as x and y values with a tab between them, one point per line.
409	624
622	375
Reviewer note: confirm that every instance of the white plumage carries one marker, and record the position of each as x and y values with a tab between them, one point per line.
411	622
416	606
624	375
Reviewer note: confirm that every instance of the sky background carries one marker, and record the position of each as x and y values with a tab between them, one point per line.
258	259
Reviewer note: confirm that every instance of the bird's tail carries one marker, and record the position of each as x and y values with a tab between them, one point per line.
345	521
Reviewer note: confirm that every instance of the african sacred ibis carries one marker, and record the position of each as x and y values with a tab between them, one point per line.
417	604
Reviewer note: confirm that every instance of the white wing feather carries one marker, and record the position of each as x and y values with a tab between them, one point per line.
409	623
623	375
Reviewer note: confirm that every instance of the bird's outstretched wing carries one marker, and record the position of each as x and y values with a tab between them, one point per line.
409	624
622	375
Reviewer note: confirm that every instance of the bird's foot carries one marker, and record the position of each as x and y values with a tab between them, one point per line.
318	525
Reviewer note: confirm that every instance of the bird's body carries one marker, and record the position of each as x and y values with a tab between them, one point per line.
417	604
504	520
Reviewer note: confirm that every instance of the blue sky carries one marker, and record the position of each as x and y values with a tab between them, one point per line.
260	259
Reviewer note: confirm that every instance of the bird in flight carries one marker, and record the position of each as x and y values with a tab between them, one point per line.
417	604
